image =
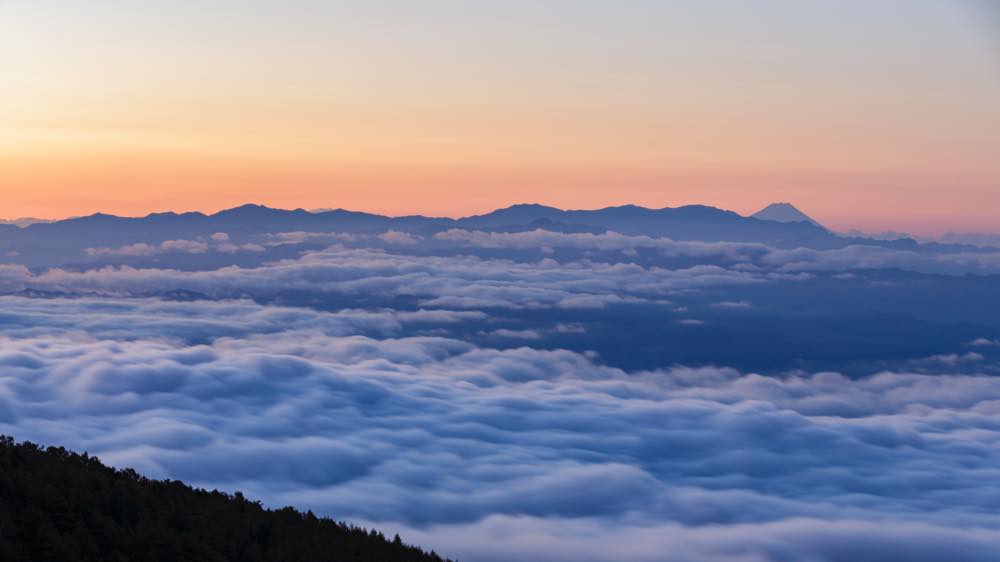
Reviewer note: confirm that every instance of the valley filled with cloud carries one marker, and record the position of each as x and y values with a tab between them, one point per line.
534	392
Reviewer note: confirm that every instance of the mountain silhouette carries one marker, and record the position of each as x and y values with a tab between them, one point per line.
22	221
691	222
66	241
784	212
59	505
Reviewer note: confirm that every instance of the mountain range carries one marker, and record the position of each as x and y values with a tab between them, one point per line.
779	225
23	221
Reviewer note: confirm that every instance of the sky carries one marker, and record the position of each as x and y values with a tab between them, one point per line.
866	115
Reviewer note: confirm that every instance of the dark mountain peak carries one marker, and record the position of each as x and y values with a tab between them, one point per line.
683	209
171	217
626	209
245	209
94	218
702	208
525	210
701	211
521	213
527	206
256	211
784	212
341	212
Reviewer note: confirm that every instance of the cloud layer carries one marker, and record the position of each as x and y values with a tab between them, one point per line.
518	454
441	282
435	384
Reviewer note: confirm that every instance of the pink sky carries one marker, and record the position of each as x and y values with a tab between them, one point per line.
872	117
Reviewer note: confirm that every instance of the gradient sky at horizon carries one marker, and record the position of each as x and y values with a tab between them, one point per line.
866	115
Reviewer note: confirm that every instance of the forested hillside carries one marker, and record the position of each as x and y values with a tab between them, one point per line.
62	506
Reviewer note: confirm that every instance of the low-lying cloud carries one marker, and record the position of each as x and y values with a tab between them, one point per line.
467	282
420	383
517	454
218	242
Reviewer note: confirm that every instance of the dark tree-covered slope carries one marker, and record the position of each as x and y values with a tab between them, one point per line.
62	506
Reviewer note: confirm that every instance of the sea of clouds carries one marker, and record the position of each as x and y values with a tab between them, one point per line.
382	416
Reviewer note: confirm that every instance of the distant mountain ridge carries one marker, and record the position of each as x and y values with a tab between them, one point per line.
692	222
68	238
23	221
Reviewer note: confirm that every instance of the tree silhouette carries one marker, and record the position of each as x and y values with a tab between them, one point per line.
60	506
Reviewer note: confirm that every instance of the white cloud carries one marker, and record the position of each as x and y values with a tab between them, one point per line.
570	328
299	237
984	342
876	257
516	334
140	249
185	246
954	359
511	538
731	305
454	444
742	256
608	241
523	454
440	282
397	237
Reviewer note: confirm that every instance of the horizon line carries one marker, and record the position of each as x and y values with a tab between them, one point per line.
320	210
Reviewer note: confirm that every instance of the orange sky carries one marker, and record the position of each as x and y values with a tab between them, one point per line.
869	117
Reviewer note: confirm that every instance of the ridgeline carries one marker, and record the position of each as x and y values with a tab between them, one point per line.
56	505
